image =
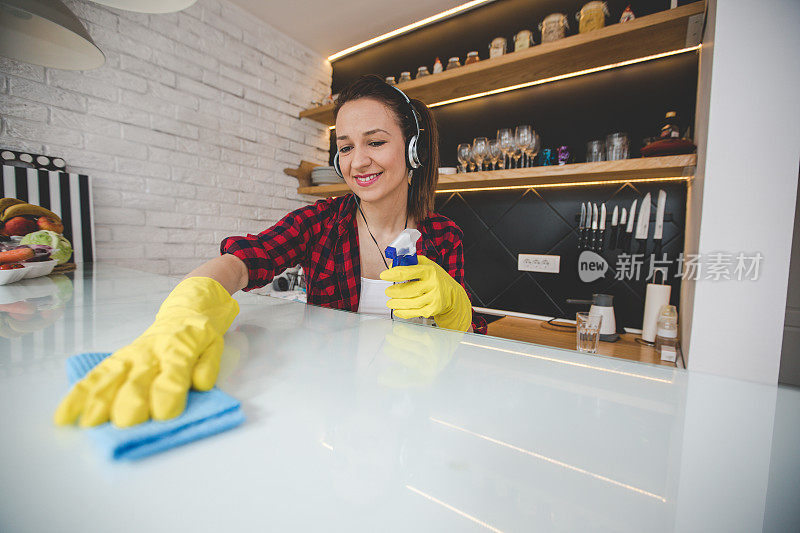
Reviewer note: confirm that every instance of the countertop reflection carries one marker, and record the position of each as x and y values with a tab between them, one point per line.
360	423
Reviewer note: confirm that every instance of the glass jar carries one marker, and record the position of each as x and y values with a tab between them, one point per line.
453	63
472	57
523	40
437	66
498	47
592	16
553	27
617	146
405	76
422	72
390	80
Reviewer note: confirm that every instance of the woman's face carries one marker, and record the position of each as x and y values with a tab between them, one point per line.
372	150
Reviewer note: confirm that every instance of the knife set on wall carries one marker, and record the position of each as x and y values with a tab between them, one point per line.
592	226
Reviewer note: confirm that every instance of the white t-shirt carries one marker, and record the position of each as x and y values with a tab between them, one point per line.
373	298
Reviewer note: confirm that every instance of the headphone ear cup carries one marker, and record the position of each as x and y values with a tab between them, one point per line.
413	159
336	166
421	147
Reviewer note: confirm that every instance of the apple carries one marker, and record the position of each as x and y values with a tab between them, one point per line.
50	225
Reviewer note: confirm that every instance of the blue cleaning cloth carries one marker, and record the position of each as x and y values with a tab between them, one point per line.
206	414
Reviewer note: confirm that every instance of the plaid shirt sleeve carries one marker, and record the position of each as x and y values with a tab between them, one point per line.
452	261
282	246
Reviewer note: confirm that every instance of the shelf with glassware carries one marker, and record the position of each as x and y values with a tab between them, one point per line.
659	33
673	167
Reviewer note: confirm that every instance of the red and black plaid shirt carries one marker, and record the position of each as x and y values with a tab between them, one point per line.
323	238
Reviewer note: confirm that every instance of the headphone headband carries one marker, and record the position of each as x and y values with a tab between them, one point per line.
410	105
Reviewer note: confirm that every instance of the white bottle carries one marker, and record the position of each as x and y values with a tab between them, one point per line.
667	333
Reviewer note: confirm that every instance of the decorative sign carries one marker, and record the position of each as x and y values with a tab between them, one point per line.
591	266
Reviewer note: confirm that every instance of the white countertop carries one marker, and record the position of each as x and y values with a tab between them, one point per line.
461	432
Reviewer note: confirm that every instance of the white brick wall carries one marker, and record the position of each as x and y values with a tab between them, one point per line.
185	130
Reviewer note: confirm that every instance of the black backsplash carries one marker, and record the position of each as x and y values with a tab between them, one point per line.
499	225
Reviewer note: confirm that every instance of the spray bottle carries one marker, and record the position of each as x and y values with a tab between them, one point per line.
403	252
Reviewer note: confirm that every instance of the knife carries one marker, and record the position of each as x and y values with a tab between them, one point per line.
629	229
614	229
602	237
658	230
594	226
581	225
643	224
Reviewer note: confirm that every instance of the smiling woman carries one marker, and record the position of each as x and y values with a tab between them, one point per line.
387	154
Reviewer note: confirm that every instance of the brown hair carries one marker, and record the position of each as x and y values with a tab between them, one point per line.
422	190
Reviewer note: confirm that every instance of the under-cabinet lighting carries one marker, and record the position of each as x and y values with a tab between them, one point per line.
566	184
551	460
552	185
560	77
408	28
565	76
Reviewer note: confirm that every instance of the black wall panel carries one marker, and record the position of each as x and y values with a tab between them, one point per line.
499	225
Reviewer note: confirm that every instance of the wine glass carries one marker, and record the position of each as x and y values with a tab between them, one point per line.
532	150
464	154
494	152
522	138
505	138
480	151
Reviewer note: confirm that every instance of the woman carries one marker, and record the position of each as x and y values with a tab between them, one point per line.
388	156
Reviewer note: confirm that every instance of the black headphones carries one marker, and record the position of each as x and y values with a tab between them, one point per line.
415	151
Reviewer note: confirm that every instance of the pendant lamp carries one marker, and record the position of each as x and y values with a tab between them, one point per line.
45	32
148	6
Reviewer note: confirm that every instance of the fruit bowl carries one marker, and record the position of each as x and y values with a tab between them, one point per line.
39	268
10	276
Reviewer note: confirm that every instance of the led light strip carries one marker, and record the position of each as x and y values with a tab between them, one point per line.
566	76
571	363
408	28
551	460
570	184
451	508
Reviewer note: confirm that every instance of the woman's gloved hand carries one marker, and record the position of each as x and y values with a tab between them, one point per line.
432	293
151	377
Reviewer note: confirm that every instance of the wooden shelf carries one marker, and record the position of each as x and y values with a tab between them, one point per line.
661	32
627	169
538	332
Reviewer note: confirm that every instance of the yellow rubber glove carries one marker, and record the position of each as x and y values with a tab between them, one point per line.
151	377
433	293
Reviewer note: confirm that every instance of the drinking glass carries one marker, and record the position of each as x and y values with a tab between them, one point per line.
588	331
505	138
480	151
595	151
464	153
494	152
